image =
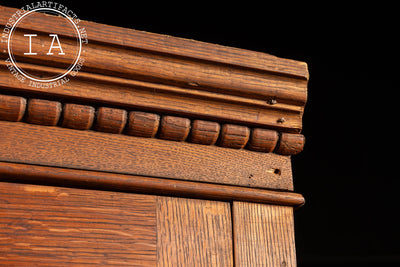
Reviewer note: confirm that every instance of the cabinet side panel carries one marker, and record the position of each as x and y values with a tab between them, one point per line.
263	235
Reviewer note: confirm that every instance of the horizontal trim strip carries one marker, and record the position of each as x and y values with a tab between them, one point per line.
159	43
117	153
133	94
162	69
144	124
142	184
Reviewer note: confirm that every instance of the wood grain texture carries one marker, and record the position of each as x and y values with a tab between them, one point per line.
290	144
204	132
79	117
173	89
43	112
173	45
193	233
263	140
61	147
234	136
141	184
170	75
163	67
263	235
143	124
110	120
174	128
54	226
170	99
12	108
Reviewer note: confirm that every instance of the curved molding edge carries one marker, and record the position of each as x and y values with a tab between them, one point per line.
142	184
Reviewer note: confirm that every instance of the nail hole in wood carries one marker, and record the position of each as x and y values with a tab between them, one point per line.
272	101
281	120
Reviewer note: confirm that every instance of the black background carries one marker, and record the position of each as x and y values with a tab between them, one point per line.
347	170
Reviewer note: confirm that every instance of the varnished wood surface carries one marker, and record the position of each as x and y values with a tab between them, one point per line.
174	128
290	144
141	184
263	140
87	150
234	136
194	233
171	75
54	226
204	132
263	235
110	120
176	46
153	97
12	108
134	85
78	117
43	112
143	124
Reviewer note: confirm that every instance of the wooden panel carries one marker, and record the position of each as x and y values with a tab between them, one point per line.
53	226
263	235
193	233
53	146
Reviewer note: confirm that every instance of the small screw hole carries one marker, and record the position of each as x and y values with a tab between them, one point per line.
281	120
277	171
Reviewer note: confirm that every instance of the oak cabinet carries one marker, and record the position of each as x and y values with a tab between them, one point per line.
56	226
160	151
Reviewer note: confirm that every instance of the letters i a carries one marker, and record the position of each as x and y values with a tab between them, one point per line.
55	37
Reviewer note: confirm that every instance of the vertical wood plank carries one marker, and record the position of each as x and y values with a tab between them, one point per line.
263	235
54	226
193	232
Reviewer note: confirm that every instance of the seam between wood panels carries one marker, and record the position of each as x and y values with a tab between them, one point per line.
233	234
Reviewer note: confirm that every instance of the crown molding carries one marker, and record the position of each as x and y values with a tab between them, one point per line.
164	74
